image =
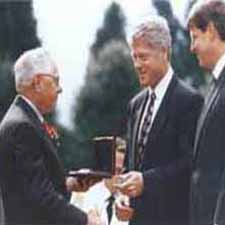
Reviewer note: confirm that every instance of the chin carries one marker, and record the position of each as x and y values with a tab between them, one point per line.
204	65
143	83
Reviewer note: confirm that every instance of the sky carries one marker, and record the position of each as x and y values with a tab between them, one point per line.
67	29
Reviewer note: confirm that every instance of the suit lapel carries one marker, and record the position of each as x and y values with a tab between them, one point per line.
49	150
206	109
162	113
37	123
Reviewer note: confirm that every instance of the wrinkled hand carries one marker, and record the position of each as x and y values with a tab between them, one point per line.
123	211
94	218
79	185
132	184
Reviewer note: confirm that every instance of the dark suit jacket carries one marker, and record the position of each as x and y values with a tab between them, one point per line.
32	177
2	212
208	180
167	157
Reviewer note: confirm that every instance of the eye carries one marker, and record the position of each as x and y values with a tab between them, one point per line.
143	57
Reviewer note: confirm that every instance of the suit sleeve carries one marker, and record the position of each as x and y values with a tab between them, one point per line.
219	216
157	177
34	182
128	139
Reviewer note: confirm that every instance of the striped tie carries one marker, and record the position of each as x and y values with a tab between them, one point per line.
145	130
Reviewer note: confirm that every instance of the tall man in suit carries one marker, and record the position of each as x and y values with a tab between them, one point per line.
206	24
161	126
32	177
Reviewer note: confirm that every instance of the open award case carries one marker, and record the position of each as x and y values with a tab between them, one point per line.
105	154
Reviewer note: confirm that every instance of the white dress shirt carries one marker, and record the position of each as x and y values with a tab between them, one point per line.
160	91
219	67
96	198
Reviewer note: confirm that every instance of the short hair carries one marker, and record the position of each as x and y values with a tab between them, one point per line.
155	32
31	63
204	12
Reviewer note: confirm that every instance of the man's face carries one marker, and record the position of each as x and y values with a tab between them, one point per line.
148	62
201	45
48	91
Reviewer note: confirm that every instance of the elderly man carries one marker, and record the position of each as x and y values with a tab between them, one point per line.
161	127
32	177
206	24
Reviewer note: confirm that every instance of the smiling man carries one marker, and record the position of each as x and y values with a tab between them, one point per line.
206	24
161	126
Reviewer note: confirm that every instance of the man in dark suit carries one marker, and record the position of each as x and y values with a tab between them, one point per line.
206	24
161	126
32	177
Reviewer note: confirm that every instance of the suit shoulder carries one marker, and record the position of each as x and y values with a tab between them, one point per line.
187	98
186	90
138	97
14	119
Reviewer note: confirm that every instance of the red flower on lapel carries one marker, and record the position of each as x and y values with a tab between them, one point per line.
52	132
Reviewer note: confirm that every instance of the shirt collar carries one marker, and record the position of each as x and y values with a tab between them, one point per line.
219	67
161	87
33	107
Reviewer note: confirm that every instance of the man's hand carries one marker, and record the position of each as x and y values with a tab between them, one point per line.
94	218
123	211
132	184
78	185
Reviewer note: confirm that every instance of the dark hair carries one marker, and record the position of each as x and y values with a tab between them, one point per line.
205	12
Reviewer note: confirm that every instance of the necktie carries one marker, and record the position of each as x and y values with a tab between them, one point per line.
210	90
145	130
109	208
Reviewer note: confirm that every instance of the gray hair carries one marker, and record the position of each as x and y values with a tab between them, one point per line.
155	32
31	63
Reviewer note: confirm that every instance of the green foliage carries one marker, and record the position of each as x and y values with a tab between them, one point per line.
70	151
17	28
109	84
101	107
18	33
7	90
113	28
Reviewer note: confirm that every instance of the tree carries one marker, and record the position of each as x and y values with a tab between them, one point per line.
17	28
18	33
109	84
113	28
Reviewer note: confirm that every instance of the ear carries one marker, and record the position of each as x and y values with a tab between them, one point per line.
212	31
165	54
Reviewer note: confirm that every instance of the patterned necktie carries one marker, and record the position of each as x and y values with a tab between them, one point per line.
210	90
145	130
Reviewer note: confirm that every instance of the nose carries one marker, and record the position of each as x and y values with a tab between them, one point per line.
137	64
59	90
192	47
